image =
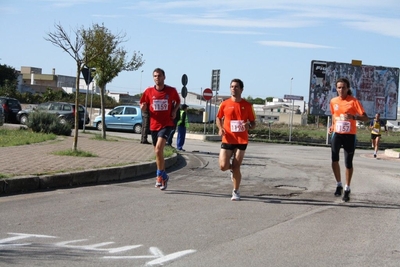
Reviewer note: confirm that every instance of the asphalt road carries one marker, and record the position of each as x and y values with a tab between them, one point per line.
288	215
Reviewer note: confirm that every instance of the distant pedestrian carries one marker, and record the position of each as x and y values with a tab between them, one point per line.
375	126
171	135
162	102
182	124
235	117
345	110
145	127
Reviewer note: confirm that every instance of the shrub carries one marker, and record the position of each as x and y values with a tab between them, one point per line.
42	122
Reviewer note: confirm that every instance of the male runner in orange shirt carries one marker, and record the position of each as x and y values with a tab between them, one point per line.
345	110
235	117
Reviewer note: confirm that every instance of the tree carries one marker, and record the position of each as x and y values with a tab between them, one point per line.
107	58
8	75
73	45
8	81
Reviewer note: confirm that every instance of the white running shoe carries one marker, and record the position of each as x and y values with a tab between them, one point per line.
235	195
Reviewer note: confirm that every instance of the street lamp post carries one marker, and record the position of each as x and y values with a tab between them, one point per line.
291	114
140	89
291	81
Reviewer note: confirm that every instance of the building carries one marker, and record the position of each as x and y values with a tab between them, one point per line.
32	80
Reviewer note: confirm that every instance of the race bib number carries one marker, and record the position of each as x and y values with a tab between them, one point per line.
160	104
343	126
237	126
375	131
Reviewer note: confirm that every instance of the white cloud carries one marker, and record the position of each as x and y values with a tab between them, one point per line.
383	26
293	44
366	15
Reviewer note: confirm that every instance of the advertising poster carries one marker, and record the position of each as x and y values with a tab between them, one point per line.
376	87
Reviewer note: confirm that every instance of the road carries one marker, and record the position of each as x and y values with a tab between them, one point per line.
288	215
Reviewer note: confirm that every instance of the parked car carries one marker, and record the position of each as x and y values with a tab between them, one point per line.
11	107
121	118
1	115
64	111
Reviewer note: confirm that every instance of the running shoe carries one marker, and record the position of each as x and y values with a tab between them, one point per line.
339	191
159	181
235	195
164	183
374	155
346	196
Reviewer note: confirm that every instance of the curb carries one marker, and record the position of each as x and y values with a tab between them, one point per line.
78	178
392	153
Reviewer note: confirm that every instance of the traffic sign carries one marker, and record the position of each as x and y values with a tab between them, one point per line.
207	94
184	79
184	91
293	97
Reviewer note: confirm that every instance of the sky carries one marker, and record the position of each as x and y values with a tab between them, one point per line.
269	45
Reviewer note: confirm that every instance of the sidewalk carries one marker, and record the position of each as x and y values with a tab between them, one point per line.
34	167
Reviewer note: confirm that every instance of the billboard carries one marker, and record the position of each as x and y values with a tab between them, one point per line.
376	87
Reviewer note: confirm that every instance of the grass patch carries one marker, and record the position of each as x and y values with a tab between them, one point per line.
75	153
22	136
3	176
168	151
397	149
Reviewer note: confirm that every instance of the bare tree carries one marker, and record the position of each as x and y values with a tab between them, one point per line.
107	58
73	44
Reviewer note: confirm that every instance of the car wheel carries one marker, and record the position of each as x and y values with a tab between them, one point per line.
137	128
23	119
63	121
99	126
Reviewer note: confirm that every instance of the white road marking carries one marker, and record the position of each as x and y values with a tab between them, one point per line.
20	236
155	253
170	257
95	246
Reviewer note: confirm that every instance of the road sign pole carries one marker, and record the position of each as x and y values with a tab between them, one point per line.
291	123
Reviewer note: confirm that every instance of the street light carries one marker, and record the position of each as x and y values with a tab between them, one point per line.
291	114
291	81
140	89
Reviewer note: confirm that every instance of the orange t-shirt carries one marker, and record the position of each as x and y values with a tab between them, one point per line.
340	107
234	115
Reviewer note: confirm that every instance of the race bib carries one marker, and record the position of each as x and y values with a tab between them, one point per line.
237	126
375	131
343	126
160	104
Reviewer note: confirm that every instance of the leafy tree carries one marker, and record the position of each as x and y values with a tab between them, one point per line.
270	99
107	58
73	45
8	81
258	101
8	75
